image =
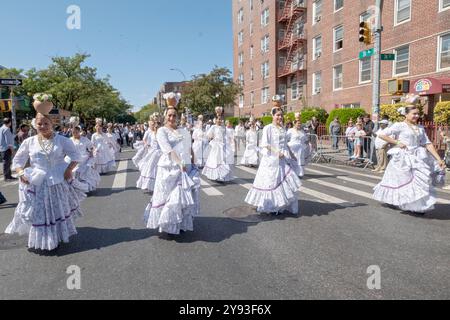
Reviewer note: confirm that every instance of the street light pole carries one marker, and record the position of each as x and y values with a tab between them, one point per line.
377	62
182	73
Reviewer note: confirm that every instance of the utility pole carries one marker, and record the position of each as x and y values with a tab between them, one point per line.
377	62
13	111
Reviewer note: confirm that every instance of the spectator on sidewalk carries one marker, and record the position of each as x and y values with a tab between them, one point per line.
313	128
7	148
446	137
381	147
350	137
335	131
359	137
22	135
368	127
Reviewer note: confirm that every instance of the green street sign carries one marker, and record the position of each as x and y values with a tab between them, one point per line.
388	57
366	53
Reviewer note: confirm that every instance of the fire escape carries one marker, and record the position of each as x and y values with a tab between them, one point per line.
292	45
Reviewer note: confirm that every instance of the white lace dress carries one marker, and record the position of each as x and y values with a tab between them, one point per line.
298	142
200	146
276	184
217	167
48	205
250	156
148	166
105	160
407	182
175	200
85	171
142	148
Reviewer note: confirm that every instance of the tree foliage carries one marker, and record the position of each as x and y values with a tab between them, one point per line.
143	115
442	113
207	91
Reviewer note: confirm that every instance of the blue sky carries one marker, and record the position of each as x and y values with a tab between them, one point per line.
136	42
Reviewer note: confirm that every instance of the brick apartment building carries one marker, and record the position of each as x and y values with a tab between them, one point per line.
308	50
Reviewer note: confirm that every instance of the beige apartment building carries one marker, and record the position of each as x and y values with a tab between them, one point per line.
308	51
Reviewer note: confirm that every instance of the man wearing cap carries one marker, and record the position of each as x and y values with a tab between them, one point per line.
381	147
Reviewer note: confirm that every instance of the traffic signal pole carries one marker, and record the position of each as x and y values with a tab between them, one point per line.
377	63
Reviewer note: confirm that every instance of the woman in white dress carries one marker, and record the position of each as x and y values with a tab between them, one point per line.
298	142
48	203
84	171
217	168
148	166
250	157
175	201
142	147
276	184
114	146
200	144
104	159
407	182
231	143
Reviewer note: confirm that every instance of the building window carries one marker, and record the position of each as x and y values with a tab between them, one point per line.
265	95
241	79
299	28
251	52
338	5
265	44
365	16
444	5
282	88
401	63
241	59
252	98
402	11
251	5
240	16
317	83
240	38
365	70
251	28
295	91
241	101
444	52
338	38
337	77
351	106
317	47
317	11
265	17
265	70
252	74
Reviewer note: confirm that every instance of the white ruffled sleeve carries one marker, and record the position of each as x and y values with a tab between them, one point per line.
69	149
163	141
22	155
424	140
393	130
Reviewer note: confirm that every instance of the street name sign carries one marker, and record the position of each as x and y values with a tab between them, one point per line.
366	53
11	82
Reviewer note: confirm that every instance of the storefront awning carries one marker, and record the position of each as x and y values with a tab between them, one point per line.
429	86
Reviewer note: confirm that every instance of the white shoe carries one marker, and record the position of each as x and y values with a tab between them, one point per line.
446	187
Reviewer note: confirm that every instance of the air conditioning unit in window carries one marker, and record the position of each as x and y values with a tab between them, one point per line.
318	90
318	18
319	54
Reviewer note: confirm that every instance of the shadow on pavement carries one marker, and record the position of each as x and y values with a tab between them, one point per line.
441	212
106	192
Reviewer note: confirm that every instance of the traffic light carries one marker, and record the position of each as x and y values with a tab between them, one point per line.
398	86
365	35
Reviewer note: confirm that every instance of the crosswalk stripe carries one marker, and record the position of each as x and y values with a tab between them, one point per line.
120	180
322	196
244	184
348	172
342	188
247	169
365	183
209	190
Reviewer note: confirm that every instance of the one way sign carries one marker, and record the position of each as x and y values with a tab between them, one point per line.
11	82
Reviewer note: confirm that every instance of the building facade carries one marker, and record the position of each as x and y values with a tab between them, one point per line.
308	51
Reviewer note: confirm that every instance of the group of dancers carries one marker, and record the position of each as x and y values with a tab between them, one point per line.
171	159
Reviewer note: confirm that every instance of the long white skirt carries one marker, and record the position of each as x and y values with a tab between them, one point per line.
407	182
200	150
275	187
175	201
302	153
216	167
85	173
140	154
105	160
47	214
250	156
148	167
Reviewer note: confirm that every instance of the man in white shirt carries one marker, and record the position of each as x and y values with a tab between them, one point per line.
7	148
240	135
381	147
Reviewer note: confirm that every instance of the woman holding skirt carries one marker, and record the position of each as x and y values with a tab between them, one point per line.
250	157
84	171
148	166
142	147
175	200
217	167
408	179
298	143
48	203
104	159
200	145
276	184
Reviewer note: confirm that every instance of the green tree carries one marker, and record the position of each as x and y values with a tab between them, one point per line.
207	91
146	111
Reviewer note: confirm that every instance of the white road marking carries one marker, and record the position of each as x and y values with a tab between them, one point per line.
347	171
120	180
209	190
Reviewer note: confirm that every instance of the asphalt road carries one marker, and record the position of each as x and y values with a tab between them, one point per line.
234	253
